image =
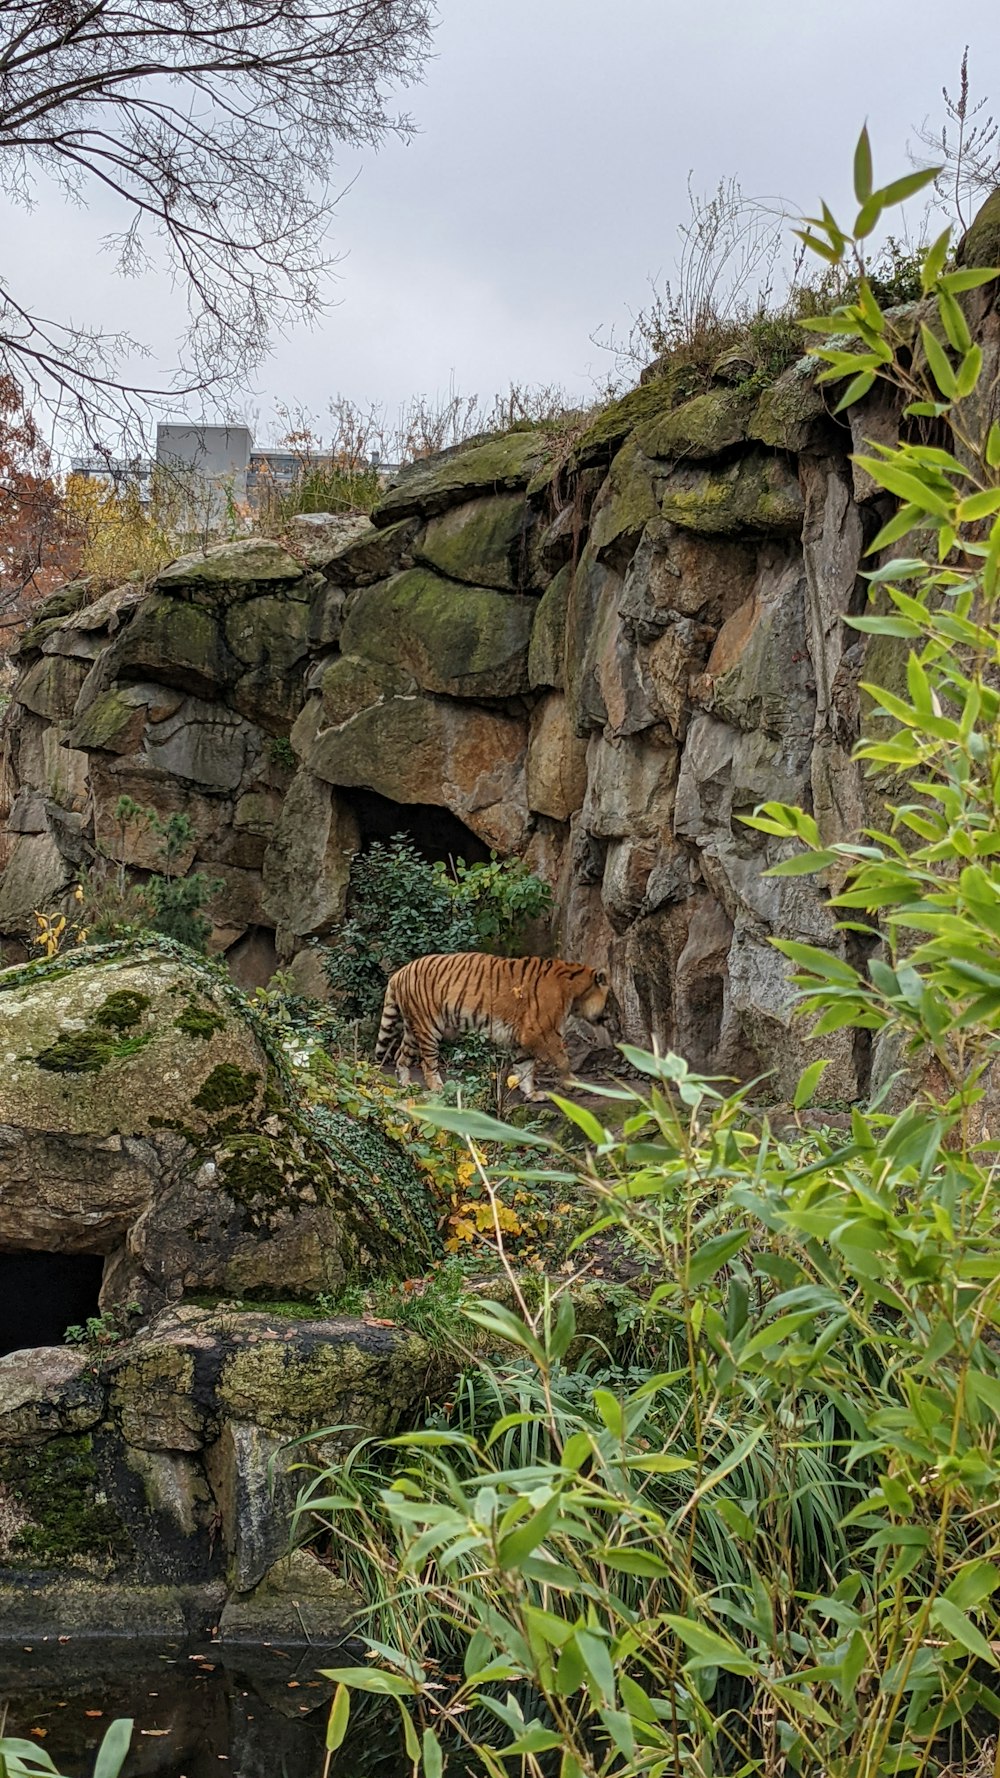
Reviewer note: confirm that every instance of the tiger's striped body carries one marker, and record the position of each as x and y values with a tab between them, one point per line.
523	1001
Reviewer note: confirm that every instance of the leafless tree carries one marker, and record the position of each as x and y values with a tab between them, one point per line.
214	124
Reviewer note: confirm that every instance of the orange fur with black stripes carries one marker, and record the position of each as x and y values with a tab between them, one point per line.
522	1001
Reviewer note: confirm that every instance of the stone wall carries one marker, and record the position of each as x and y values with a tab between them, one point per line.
597	654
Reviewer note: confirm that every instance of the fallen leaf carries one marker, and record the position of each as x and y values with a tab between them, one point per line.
41	1733
93	1713
154	1731
377	1321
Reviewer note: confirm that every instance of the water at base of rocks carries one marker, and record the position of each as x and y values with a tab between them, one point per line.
255	1712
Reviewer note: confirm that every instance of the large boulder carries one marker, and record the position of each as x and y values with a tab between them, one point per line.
460	641
494	465
145	1116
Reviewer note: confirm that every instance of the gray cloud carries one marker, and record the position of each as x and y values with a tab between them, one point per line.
548	179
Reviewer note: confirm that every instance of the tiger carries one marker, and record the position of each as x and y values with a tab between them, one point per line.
520	1000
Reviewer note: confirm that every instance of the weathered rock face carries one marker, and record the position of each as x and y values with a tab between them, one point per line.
164	1463
600	663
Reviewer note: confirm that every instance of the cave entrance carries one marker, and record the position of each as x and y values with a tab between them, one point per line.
436	833
42	1294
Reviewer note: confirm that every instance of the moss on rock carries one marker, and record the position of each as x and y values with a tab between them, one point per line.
482	542
122	1009
705	426
490	466
57	1487
548	632
227	1086
463	641
756	493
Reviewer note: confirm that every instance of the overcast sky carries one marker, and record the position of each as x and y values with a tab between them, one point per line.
548	178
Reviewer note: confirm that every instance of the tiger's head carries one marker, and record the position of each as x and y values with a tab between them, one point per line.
591	1000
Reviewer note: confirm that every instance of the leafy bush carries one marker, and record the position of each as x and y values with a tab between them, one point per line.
779	1550
501	898
401	907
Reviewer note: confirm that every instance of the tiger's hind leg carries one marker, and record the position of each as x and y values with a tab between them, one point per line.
406	1057
430	1062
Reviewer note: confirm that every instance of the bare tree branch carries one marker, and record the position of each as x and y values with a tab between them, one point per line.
214	124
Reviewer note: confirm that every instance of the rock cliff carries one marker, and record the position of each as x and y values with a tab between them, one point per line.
597	651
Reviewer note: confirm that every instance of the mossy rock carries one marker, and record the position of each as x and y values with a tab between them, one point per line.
173	642
548	632
792	414
58	1489
494	466
268	631
756	493
706	426
465	642
339	1373
63	602
111	724
628	501
350	685
639	408
250	561
51	686
374	554
483	543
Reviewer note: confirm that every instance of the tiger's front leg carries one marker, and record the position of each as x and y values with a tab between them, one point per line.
551	1051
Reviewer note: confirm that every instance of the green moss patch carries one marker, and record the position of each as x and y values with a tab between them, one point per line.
57	1486
122	1010
199	1021
227	1086
78	1052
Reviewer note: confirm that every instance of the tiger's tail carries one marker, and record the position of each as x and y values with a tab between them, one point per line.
391	1029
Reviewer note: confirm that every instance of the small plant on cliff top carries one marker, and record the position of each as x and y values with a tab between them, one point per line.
780	1550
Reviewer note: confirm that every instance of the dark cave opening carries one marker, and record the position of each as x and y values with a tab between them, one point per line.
42	1294
436	833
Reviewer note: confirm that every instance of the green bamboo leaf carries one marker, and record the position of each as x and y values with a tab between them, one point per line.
969	371
706	1645
809	1080
113	1751
340	1715
433	1761
971	278
906	520
898	190
960	1628
979	506
863	167
937	359
804	864
856	389
372	1679
908	485
993	446
934	260
953	321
